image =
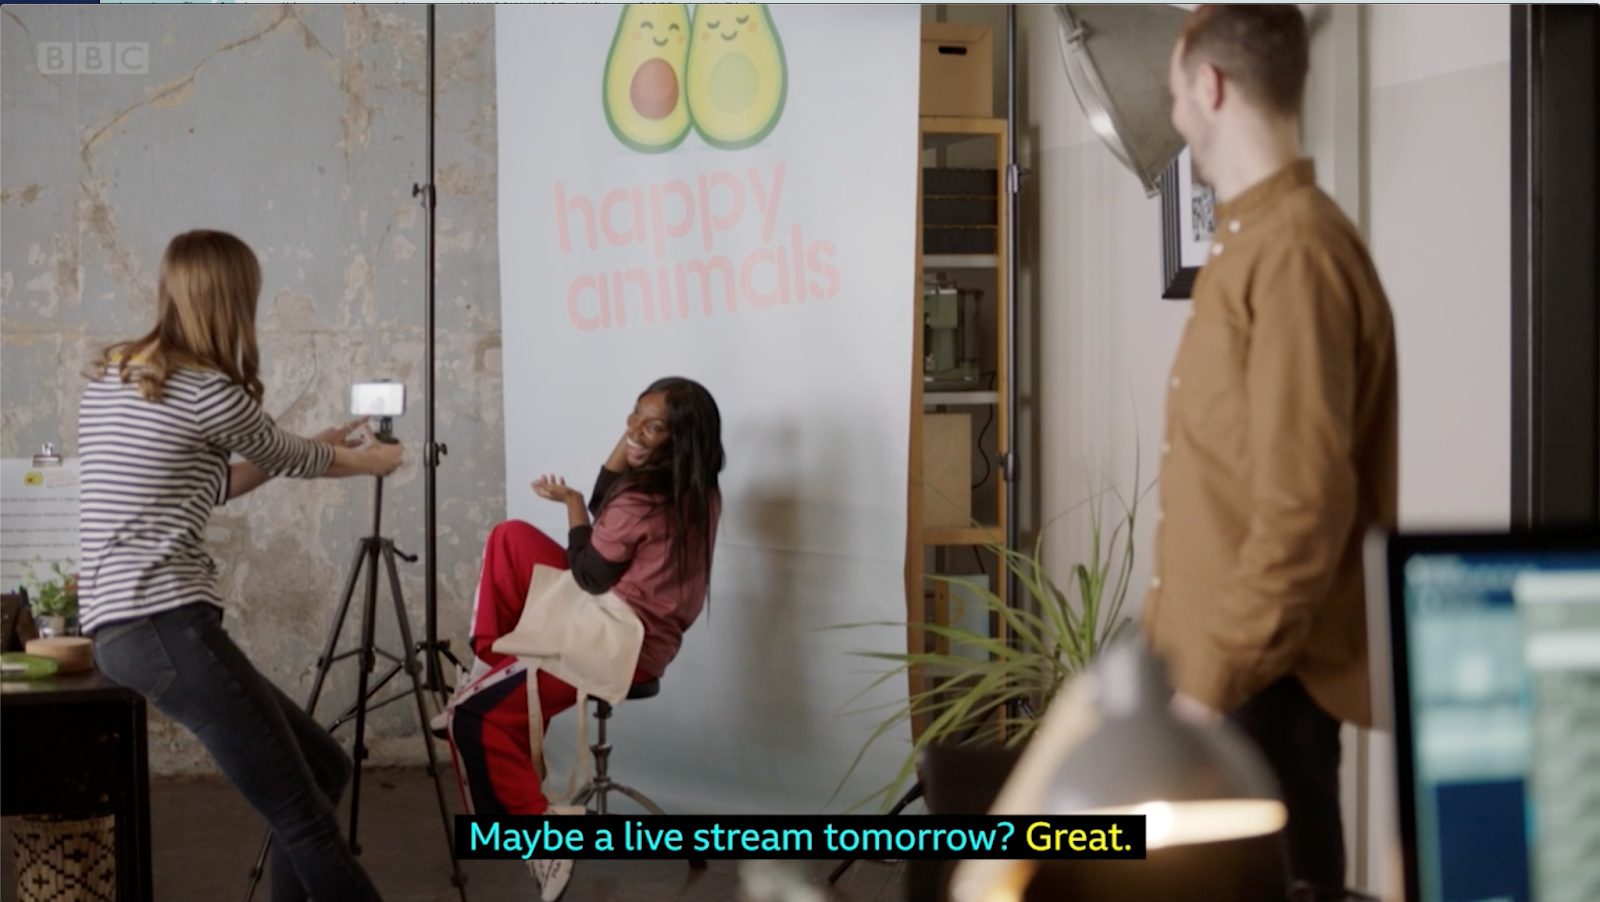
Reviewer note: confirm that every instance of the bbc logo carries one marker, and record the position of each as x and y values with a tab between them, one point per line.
94	58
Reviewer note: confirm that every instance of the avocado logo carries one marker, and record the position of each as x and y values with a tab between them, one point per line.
644	98
34	478
730	80
738	78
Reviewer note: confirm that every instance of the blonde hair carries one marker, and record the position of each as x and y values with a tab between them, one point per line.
205	317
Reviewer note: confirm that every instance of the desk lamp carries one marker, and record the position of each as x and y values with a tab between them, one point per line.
1111	745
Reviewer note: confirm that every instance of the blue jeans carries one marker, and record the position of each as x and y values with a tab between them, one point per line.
286	765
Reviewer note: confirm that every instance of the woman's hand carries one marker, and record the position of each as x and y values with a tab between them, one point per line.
554	488
375	459
384	457
340	435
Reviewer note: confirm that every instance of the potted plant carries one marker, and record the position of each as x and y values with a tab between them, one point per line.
54	598
1052	634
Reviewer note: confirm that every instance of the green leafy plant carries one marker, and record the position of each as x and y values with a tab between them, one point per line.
1052	634
56	593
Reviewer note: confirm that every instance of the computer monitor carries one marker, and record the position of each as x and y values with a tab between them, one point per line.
1493	691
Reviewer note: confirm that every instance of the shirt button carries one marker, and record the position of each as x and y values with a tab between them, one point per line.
1175	381
1216	250
1155	582
1166	447
1234	227
1161	516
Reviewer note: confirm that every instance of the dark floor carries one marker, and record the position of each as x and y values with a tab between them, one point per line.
205	841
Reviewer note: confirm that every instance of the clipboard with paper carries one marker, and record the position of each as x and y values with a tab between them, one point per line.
38	514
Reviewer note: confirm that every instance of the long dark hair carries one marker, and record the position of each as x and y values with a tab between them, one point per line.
684	480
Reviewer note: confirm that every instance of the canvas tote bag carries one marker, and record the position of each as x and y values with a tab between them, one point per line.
588	641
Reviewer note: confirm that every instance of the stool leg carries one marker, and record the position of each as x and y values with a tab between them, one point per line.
601	785
644	802
639	797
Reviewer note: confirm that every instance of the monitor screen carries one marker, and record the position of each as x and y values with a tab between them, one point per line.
1502	676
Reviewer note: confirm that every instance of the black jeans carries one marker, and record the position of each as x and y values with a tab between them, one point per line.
284	763
1301	743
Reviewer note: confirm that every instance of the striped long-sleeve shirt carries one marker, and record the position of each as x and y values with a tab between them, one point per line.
150	474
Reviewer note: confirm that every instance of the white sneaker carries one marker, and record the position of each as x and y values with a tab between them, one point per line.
440	723
552	874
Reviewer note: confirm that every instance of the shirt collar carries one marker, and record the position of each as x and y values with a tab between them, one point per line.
1261	196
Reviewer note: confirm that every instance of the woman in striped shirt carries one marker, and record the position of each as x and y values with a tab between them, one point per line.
159	423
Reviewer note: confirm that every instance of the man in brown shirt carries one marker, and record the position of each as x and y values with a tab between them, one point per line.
1281	431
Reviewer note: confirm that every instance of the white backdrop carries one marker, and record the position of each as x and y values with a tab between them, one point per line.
606	253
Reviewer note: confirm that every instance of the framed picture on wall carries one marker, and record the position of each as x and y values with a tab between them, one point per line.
1188	217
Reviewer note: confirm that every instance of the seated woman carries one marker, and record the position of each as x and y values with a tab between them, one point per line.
656	505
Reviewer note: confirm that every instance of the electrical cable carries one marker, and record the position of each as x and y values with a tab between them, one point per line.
988	466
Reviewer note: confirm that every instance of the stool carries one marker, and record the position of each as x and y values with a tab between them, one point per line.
602	784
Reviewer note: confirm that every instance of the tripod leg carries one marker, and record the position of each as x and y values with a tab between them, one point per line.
324	664
402	618
912	794
436	684
369	616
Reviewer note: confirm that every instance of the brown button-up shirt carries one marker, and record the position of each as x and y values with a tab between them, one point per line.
1280	452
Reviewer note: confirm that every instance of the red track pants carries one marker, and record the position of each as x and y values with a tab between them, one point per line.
489	723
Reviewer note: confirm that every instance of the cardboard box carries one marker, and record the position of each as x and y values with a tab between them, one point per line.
946	470
957	70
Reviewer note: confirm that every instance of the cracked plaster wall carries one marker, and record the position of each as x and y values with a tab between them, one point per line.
302	130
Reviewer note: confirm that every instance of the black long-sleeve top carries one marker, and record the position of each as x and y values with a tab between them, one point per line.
593	573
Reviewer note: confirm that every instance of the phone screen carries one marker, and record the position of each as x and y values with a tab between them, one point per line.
378	399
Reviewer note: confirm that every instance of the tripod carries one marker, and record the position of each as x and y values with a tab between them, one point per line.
918	789
371	549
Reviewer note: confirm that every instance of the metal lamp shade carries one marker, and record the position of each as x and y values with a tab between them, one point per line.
1116	57
1194	784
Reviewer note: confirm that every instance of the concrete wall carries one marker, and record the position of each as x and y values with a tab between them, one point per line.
301	129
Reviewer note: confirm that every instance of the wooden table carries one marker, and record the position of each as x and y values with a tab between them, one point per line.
75	746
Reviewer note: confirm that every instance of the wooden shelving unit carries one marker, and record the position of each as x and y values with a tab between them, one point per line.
960	261
928	600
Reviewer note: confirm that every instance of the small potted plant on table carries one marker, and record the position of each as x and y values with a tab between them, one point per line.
54	599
